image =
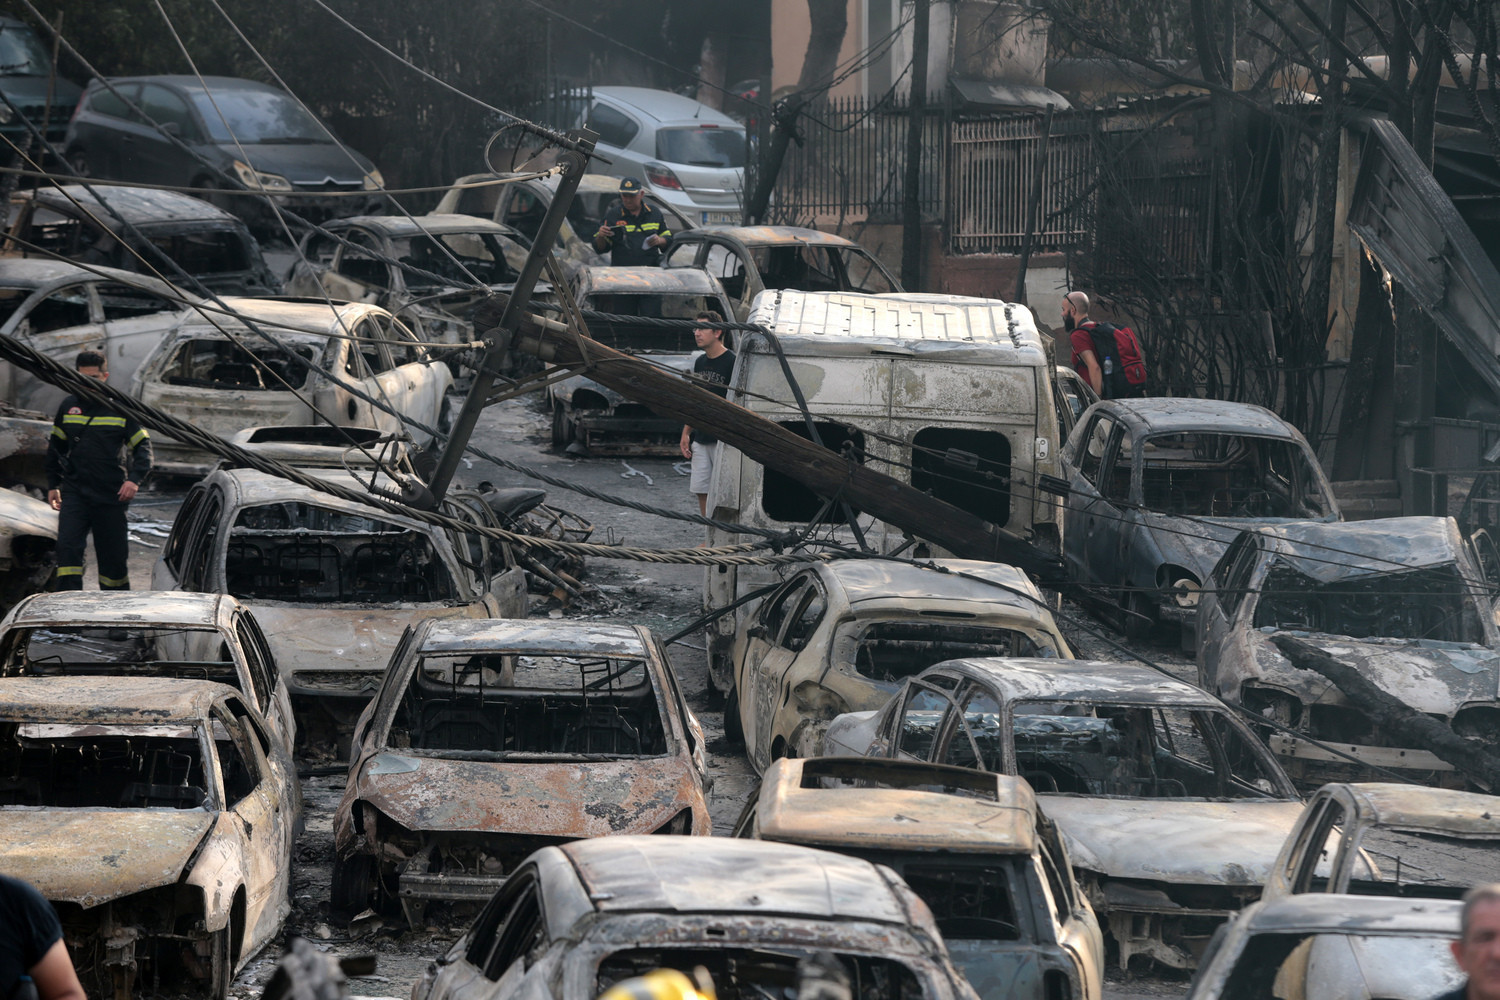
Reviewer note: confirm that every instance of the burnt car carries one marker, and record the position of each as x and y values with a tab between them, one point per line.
1387	839
140	229
256	367
1158	488
454	252
1072	396
747	260
577	918
147	633
28	540
333	583
1172	810
1331	947
157	816
491	739
597	417
841	636
1401	599
972	844
58	308
521	201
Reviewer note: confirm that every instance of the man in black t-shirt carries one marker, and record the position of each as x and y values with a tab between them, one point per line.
31	944
713	368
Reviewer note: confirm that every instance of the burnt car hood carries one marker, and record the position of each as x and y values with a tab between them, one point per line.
537	798
1435	678
90	856
1197	542
329	639
1181	841
310	163
23	515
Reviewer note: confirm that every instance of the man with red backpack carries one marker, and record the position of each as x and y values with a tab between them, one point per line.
1108	357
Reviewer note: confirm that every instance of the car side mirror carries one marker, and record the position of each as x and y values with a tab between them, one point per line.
171	128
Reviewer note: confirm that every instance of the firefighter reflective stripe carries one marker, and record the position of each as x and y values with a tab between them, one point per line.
108	581
138	437
58	432
70	571
75	418
107	422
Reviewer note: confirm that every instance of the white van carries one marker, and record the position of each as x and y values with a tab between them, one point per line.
951	394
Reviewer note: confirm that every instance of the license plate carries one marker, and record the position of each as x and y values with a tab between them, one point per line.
721	218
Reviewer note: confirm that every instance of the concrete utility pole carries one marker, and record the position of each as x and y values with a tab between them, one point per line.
819	469
911	205
574	161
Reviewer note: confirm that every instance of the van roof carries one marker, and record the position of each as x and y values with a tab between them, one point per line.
957	326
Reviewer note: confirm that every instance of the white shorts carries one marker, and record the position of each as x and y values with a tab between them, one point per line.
702	476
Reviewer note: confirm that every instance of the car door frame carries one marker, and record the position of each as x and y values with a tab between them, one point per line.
60	343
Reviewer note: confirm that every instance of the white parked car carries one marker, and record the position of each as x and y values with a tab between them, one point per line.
222	375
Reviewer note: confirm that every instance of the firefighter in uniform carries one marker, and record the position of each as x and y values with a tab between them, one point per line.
632	231
88	482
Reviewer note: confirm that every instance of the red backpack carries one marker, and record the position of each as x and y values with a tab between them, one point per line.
1119	354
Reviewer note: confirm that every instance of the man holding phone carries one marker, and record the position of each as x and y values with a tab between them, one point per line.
632	231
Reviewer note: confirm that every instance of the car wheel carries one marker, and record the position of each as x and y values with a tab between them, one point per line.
562	427
353	885
734	732
221	963
446	415
1140	616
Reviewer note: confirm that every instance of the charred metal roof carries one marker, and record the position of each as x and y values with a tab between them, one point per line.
291	315
1087	680
902	323
647	280
883	818
1312	912
1342	550
108	700
1418	807
249	487
21	514
724	875
37	272
1168	414
769	236
143	608
466	635
882	580
399	226
137	205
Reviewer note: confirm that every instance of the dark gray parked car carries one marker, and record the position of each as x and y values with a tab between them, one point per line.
248	130
26	80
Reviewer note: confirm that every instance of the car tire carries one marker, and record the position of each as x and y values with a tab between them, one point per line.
220	963
353	889
562	427
1140	617
734	731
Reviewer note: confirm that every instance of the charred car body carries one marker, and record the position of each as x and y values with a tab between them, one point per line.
157	816
842	635
1400	599
490	739
223	373
333	583
134	229
1328	947
58	309
578	918
972	844
596	416
1172	810
146	633
1389	839
28	540
1159	487
747	260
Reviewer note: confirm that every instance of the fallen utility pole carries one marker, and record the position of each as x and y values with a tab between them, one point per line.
823	471
1394	716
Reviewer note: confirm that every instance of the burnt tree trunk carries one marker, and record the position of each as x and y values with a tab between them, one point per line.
1394	716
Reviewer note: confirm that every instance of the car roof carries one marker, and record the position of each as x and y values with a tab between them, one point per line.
250	487
666	107
865	580
648	280
1343	550
302	316
140	608
899	819
35	272
398	226
190	82
730	875
523	636
755	236
1018	678
1419	807
22	514
1159	414
137	205
955	326
109	700
1311	912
